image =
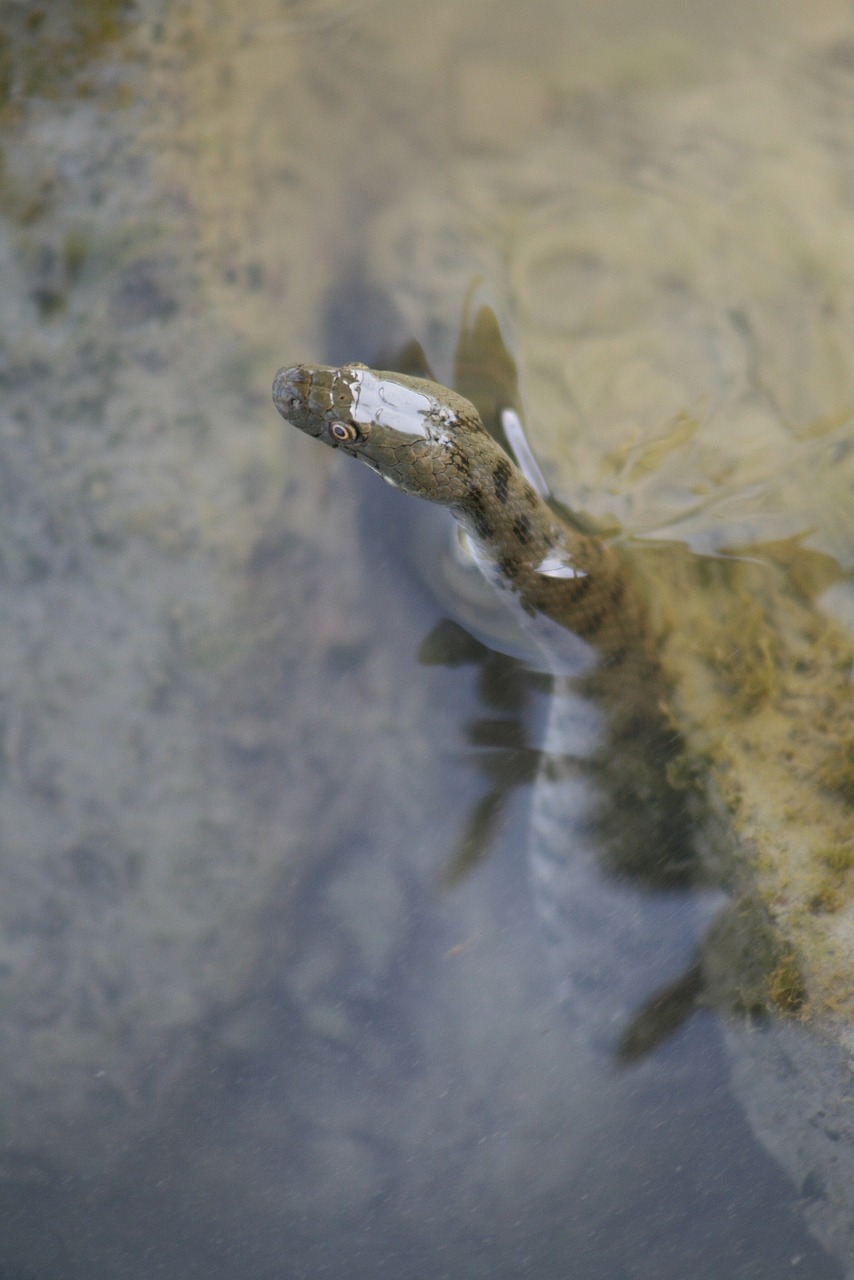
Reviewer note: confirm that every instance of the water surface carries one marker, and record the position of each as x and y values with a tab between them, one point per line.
248	1023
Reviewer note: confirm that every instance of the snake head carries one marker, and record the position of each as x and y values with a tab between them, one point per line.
412	432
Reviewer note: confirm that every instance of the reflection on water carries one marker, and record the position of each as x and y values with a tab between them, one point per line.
277	994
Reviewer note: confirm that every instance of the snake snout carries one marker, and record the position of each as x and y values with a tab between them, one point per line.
288	388
296	397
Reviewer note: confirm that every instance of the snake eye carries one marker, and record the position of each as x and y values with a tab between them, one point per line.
343	432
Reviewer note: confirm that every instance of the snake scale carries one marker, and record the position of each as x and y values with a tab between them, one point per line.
601	786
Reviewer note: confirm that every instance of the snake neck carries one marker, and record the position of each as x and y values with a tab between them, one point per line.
576	581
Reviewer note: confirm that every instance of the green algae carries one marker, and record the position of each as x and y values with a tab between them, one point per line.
748	968
838	858
46	48
761	683
837	772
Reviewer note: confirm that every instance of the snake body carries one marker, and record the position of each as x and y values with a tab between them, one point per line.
429	441
577	601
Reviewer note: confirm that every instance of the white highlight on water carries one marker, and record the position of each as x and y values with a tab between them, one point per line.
525	460
389	404
556	566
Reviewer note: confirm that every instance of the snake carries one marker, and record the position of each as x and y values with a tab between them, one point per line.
572	594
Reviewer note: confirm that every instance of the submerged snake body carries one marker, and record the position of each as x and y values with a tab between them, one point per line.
574	597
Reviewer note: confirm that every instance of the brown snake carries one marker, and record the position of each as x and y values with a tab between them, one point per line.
576	599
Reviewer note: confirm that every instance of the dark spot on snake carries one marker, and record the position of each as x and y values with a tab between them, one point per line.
619	655
508	566
501	479
477	508
460	463
590	623
482	525
522	529
618	590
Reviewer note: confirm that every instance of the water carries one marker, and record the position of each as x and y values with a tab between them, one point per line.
258	1013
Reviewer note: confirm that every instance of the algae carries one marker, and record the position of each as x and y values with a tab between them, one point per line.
837	771
46	48
762	687
748	967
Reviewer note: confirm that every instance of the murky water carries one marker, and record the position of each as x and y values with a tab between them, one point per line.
259	1014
